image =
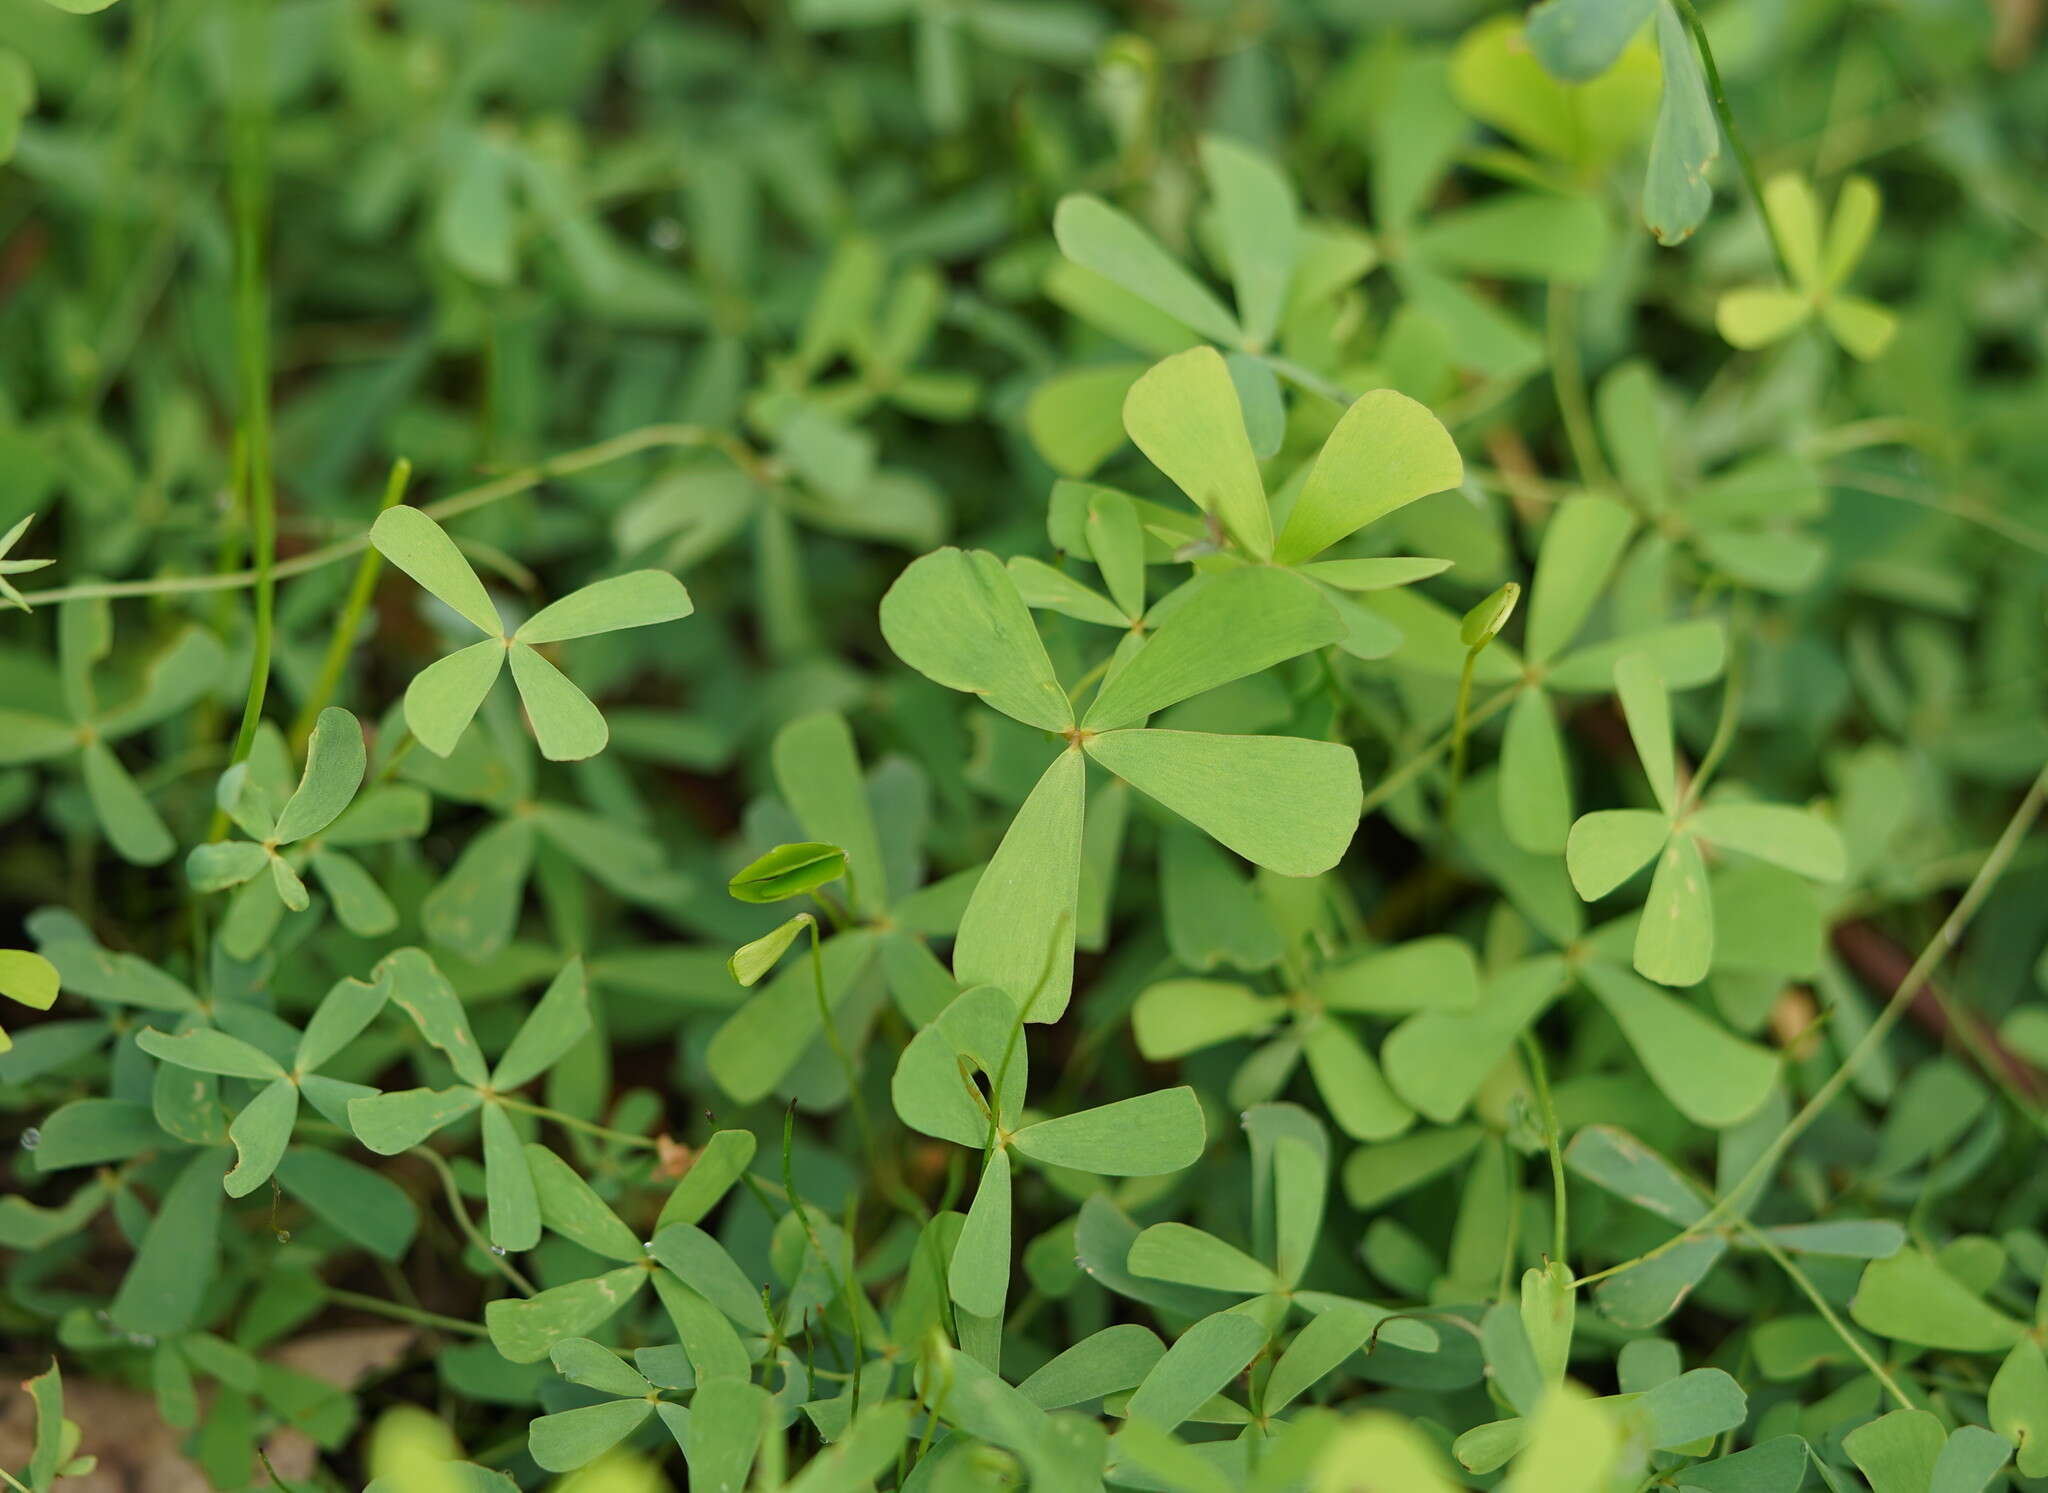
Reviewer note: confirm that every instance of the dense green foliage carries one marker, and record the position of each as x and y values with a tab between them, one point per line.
1283	747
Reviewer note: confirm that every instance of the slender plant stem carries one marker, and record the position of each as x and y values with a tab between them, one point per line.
463	1221
1945	938
577	1122
1820	1303
1731	700
867	1137
846	1287
1568	378
249	188
350	621
1459	725
1400	776
1539	1079
1968	509
403	1313
1726	115
525	479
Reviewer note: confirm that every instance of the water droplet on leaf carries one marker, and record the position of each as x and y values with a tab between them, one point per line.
31	1138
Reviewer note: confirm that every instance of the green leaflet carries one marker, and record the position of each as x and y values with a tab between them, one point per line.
818	773
565	723
1019	929
753	960
261	1132
1714	1078
1176	1252
2018	1406
639	598
936	1089
955	616
1184	414
571	1438
1113	1359
334	770
444	697
524	1329
1098	237
1141	1137
569	1207
787	871
176	1260
1201	1361
413	542
1258	221
1386	452
1231	625
1285	803
1687	141
1908	1296
714	1170
979	1276
1580	39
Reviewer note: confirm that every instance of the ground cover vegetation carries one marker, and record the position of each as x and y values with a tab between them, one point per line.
964	744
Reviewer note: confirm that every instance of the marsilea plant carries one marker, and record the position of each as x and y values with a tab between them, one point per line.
1284	748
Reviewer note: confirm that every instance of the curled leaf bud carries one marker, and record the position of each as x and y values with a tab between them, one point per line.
1483	623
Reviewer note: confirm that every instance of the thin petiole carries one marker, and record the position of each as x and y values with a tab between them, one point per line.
1399	777
350	620
1820	1304
1726	115
460	1209
401	1312
574	1122
1539	1079
1945	938
525	479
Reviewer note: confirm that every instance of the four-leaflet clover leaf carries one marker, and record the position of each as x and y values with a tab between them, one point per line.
391	1123
1757	315
78	722
1182	1015
443	697
1385	452
1741	522
1290	1181
1581	547
1644	1294
936	1093
1286	803
309	827
568	1439
1675	939
264	1127
1116	276
707	1296
473	910
1416	134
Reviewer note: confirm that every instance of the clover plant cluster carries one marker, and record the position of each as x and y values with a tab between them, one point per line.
1288	748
